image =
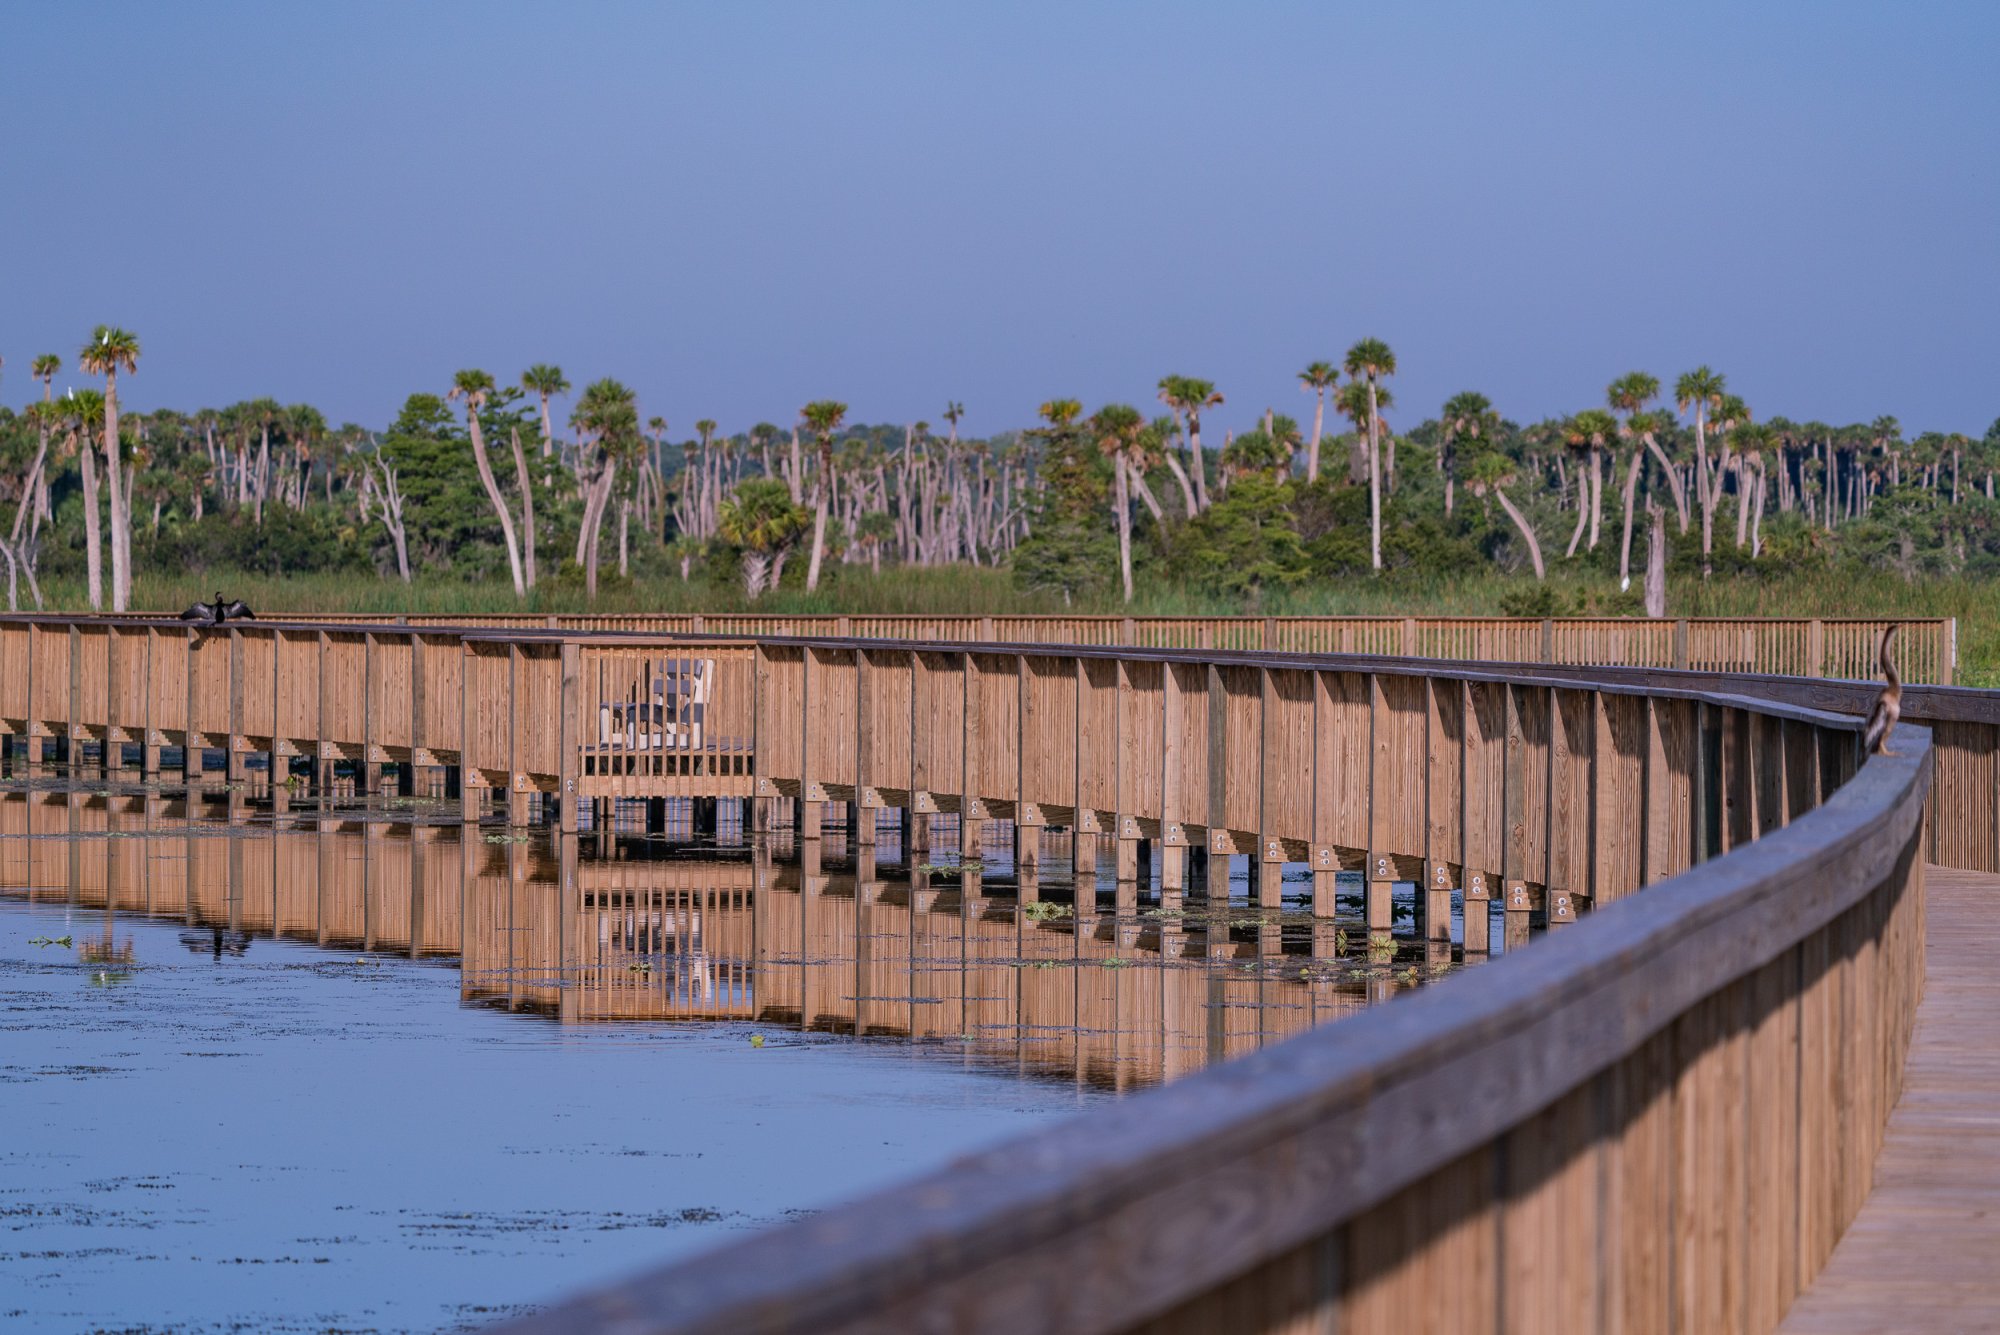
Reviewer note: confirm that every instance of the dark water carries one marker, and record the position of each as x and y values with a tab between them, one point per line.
344	1070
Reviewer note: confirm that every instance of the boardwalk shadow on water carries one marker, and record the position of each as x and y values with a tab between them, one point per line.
256	1092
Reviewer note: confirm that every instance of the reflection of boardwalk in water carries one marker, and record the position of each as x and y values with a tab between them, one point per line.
1116	990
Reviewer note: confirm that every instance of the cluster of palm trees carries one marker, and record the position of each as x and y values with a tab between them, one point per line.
858	494
88	426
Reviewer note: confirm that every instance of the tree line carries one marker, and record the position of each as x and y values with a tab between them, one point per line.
489	477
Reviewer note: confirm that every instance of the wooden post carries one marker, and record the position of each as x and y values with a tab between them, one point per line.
919	800
968	804
149	754
1815	648
1027	826
570	745
114	750
517	779
1381	871
468	770
1681	642
763	729
368	773
418	736
1269	859
1514	842
233	758
323	745
192	757
1434	898
1083	821
1173	835
863	832
811	797
72	725
1220	843
1125	824
1326	797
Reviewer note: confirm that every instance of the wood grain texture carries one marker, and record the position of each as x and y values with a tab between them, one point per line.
1924	1252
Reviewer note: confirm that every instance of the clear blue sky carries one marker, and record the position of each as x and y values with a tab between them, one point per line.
740	207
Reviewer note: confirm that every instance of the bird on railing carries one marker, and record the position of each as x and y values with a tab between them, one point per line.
217	612
1888	706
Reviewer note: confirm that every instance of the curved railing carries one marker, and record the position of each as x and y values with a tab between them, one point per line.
1661	1118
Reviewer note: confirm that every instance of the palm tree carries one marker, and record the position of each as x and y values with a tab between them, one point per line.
823	418
761	518
1588	433
1118	428
1702	389
110	349
545	381
1188	397
1468	415
608	413
1317	379
1629	394
1370	360
1750	441
79	411
474	386
1494	472
1645	428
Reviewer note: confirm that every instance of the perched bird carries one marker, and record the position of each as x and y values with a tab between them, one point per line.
1888	705
217	612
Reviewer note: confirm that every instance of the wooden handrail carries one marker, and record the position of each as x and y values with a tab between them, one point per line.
1339	1175
1741	877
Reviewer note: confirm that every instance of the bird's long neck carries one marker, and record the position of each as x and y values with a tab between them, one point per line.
1889	663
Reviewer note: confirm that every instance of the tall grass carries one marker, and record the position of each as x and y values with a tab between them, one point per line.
969	590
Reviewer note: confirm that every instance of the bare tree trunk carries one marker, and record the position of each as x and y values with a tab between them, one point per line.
624	539
1375	488
1674	484
1312	449
1521	523
1124	517
1625	545
819	533
1656	561
498	501
121	519
1582	513
1596	494
93	555
527	508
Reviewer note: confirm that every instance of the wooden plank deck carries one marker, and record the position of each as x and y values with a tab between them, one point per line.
1924	1254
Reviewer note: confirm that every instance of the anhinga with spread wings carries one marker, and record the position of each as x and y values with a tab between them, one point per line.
217	612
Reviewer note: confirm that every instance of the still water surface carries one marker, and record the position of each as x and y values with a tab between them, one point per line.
345	1070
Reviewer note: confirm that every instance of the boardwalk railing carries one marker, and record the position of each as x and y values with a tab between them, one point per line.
524	712
1660	1120
1799	647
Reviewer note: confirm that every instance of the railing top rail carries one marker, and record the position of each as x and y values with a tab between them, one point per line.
1295	1139
1816	699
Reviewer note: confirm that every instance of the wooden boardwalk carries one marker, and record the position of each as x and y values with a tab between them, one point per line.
1924	1253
